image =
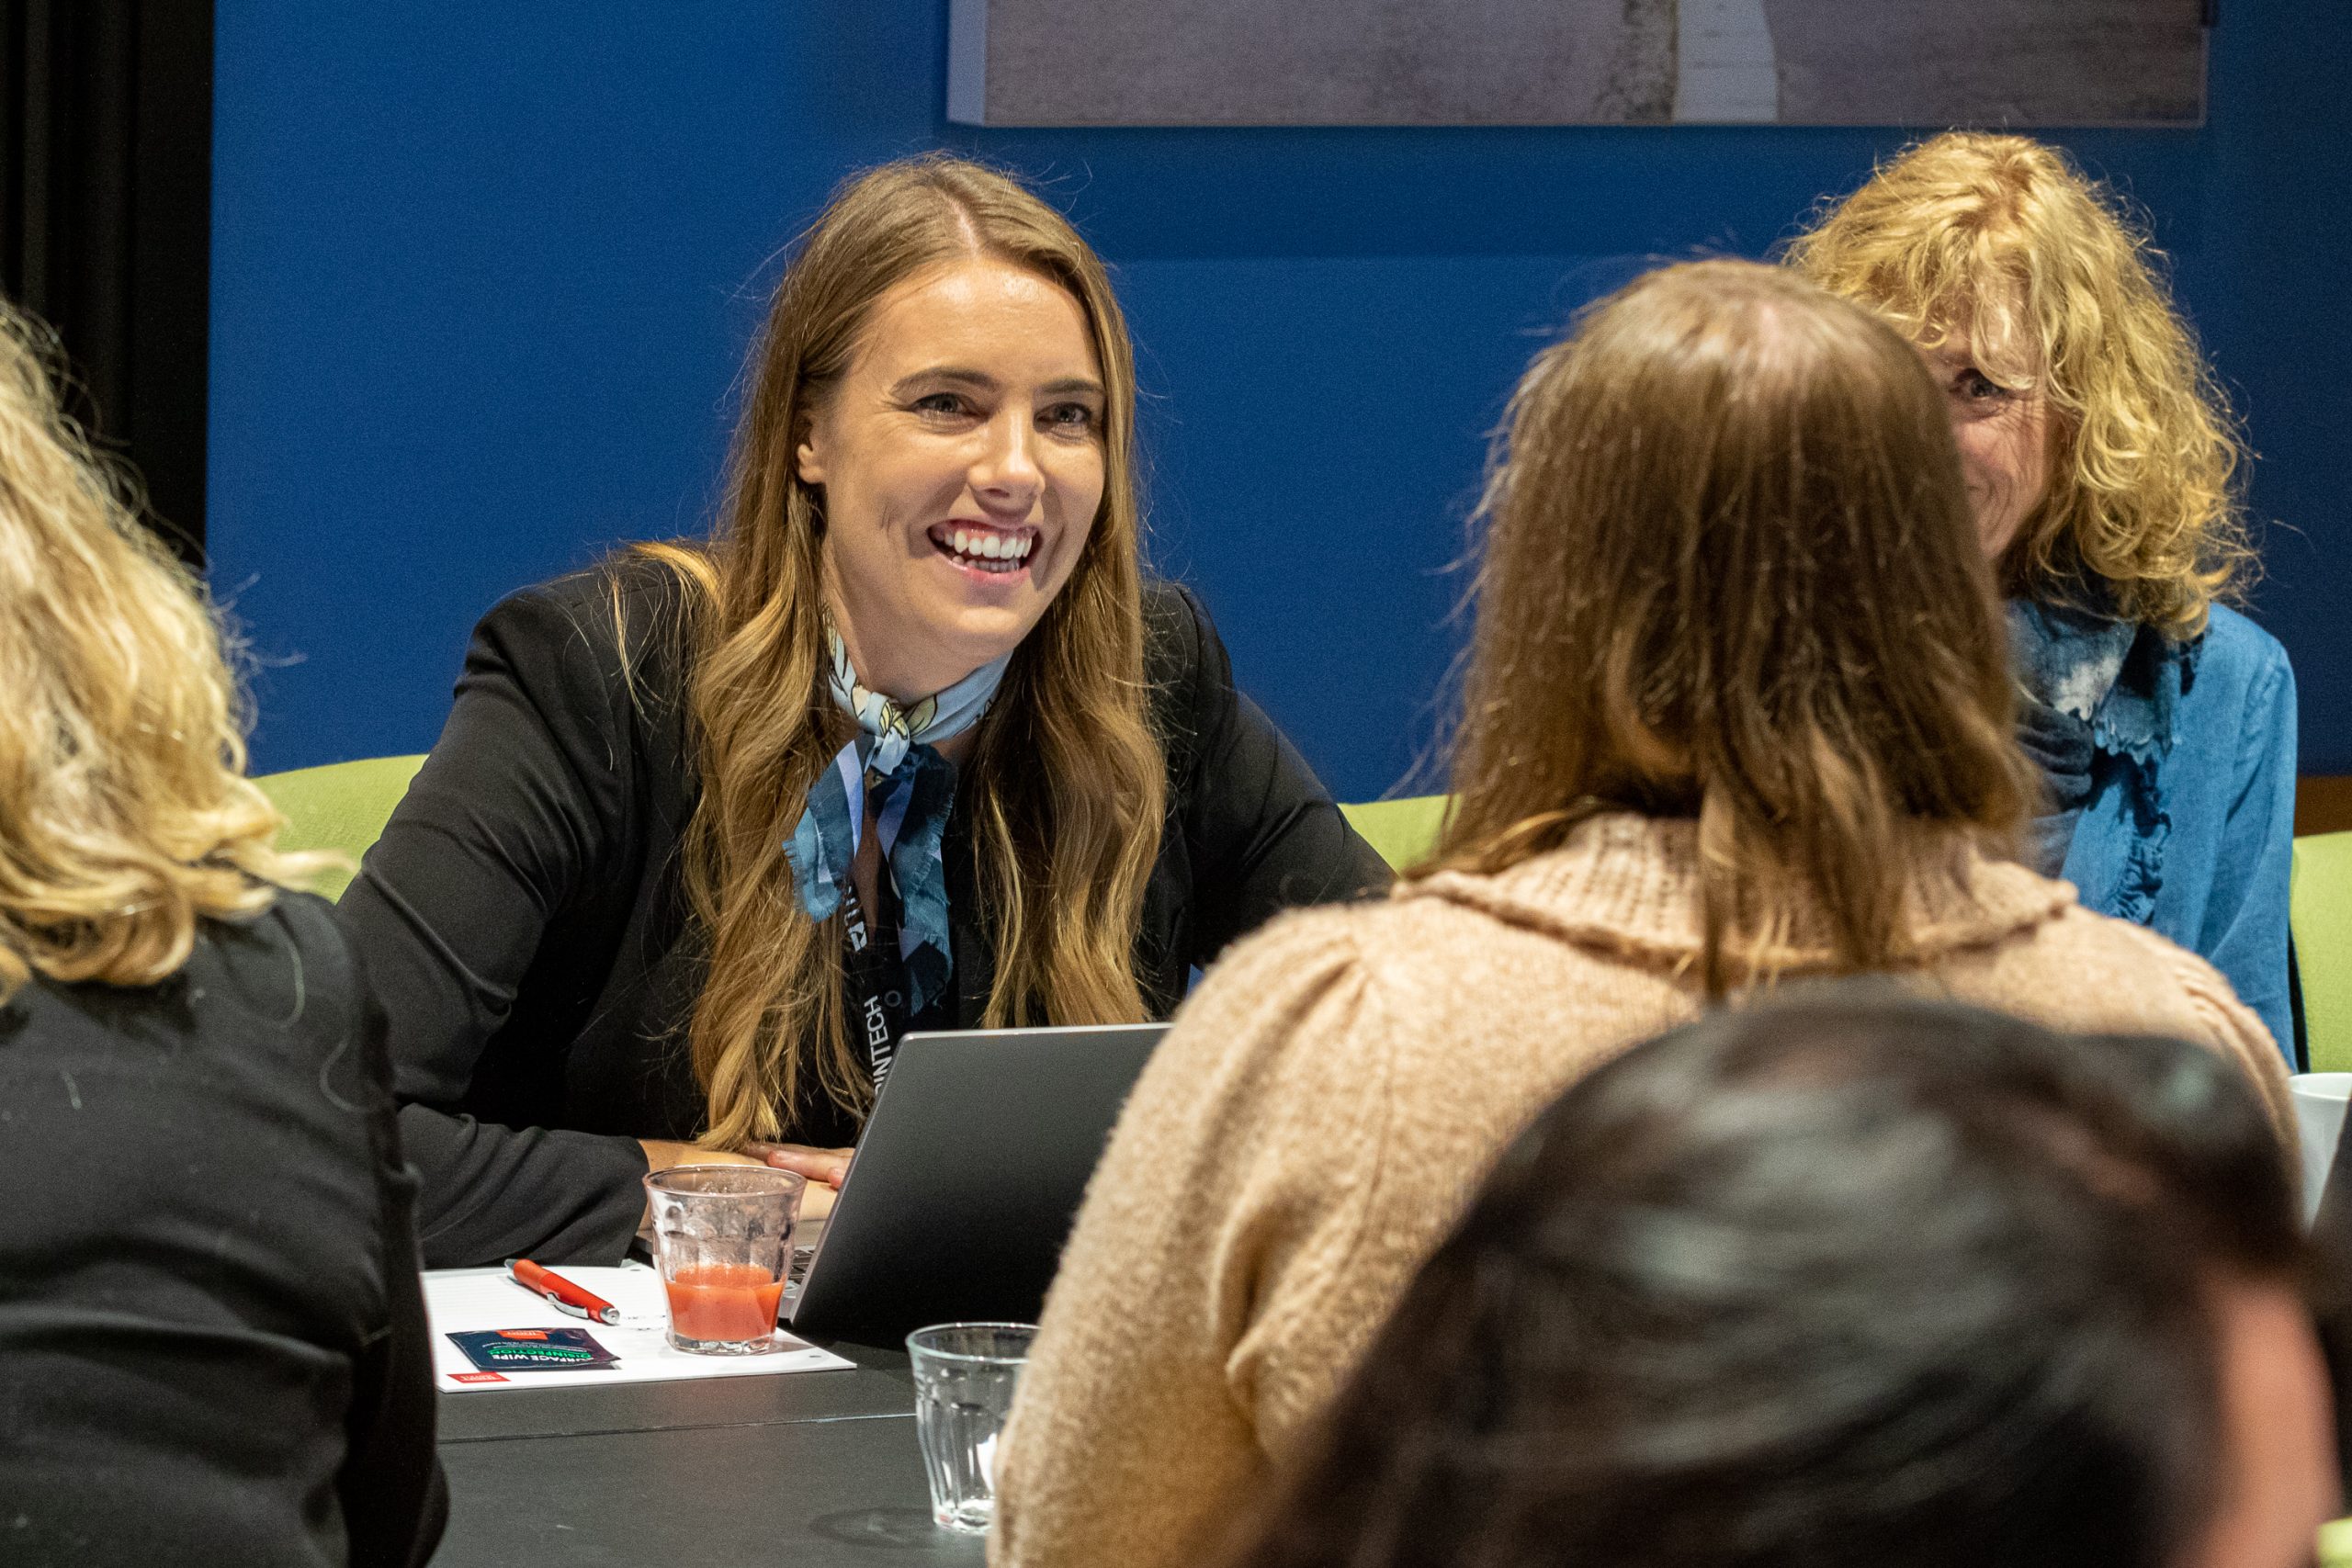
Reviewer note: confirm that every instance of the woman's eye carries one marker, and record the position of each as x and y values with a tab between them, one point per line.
1070	417
1975	386
942	403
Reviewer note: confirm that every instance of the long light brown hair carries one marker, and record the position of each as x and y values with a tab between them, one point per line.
125	815
1728	574
2061	290
1066	783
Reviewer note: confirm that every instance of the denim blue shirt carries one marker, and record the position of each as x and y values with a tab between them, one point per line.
2189	828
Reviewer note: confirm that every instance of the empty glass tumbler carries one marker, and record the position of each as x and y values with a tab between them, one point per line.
722	1239
965	1374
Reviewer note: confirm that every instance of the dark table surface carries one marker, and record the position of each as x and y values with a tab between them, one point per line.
804	1468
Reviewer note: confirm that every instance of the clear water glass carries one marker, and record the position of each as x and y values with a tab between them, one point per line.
722	1239
965	1374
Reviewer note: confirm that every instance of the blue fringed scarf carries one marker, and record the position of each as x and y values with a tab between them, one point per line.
895	756
2066	662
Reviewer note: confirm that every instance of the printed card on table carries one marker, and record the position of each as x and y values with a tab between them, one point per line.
473	1301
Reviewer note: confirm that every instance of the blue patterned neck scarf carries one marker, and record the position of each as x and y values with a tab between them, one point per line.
2066	662
895	755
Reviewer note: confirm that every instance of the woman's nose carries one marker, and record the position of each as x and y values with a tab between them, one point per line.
1008	467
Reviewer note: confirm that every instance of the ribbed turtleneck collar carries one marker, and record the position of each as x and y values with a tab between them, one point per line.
1629	886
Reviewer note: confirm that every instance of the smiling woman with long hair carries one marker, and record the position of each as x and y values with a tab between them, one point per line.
1738	714
212	1344
912	742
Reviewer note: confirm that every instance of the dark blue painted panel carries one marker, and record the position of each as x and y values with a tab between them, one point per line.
482	276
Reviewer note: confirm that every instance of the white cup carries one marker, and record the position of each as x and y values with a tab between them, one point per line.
2319	1120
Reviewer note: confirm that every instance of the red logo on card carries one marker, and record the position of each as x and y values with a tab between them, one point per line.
476	1376
522	1334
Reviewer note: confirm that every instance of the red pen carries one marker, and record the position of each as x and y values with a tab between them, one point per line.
567	1296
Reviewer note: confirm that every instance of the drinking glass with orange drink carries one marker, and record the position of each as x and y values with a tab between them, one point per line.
722	1240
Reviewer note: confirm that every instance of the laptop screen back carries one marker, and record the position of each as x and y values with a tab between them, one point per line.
967	1178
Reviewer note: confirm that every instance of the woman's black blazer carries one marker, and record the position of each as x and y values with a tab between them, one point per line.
523	920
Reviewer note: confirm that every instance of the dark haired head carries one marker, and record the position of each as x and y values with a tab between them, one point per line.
1850	1279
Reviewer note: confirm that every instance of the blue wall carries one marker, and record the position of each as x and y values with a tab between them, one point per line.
482	275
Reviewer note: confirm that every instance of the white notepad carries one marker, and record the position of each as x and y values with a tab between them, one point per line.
461	1301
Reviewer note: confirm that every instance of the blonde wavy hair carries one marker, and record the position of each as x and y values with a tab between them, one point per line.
2059	287
1728	574
1064	787
124	813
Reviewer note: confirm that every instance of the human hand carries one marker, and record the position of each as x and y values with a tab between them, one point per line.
819	1166
824	1168
660	1154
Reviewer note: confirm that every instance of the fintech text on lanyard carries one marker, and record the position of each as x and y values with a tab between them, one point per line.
875	966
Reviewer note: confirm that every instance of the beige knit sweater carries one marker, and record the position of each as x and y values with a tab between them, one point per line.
1329	1100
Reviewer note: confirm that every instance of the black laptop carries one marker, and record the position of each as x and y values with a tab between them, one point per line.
967	1179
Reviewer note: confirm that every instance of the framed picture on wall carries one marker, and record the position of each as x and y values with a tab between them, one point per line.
2019	63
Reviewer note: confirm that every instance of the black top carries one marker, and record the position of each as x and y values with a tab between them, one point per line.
523	924
212	1347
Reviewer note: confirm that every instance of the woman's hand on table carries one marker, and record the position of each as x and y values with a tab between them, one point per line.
824	1168
659	1155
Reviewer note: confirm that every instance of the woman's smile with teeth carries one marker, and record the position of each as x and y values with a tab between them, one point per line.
986	549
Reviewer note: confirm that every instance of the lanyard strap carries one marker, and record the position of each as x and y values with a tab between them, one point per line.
869	986
876	985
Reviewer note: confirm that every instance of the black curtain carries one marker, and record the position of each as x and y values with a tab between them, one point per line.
106	227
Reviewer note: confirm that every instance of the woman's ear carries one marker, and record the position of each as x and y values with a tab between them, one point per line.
809	451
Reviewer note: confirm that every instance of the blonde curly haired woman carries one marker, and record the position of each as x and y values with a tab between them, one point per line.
2103	465
211	1340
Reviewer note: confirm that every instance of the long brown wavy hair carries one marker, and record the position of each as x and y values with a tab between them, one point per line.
2061	290
1728	574
125	815
1066	783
